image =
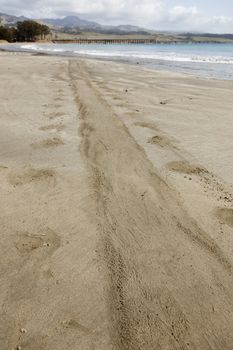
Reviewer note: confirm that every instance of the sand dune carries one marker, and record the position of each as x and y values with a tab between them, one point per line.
116	223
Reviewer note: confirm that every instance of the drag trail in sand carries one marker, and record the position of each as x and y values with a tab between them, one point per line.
160	264
106	249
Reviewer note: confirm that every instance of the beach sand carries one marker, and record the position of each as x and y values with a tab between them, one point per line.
116	207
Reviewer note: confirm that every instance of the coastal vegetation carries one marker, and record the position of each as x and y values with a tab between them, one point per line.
7	34
24	31
31	30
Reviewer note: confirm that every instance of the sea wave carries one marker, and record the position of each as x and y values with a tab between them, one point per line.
133	54
165	57
34	47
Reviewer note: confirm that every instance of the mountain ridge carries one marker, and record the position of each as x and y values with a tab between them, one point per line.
76	23
73	24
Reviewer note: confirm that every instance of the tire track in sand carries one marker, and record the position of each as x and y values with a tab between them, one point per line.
164	272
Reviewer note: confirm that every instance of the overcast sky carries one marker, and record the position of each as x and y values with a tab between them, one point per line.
200	15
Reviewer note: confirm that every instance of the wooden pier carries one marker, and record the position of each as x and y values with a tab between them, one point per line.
106	41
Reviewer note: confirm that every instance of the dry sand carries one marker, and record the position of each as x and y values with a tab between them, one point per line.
116	207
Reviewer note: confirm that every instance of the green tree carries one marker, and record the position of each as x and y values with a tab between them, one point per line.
44	31
31	30
7	34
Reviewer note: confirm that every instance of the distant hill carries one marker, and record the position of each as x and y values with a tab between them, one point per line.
8	20
73	25
71	22
211	36
74	22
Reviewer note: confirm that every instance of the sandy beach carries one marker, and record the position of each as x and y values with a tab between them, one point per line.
116	207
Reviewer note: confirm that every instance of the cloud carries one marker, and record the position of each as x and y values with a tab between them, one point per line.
182	14
154	14
216	24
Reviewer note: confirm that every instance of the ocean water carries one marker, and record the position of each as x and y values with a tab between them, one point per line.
204	60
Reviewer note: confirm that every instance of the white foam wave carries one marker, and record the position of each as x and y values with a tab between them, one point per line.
41	49
162	56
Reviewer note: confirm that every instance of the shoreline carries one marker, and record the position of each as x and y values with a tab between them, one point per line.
199	68
119	179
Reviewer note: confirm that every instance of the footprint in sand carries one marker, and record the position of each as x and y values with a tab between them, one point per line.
55	115
31	175
207	178
225	216
116	98
151	126
52	127
58	99
34	248
185	167
75	325
26	242
161	141
48	143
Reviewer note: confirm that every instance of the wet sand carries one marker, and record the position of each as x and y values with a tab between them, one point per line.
116	207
